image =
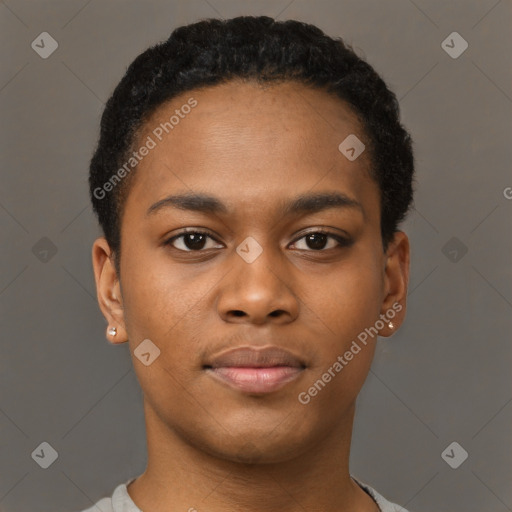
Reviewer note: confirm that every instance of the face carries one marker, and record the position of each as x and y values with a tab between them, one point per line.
273	246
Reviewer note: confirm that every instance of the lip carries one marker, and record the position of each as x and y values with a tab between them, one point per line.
255	370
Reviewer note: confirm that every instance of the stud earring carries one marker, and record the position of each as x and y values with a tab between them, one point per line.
391	325
112	331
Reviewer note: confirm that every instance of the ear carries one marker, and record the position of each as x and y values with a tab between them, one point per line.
396	281
108	290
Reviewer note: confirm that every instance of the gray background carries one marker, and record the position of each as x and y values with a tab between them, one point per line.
445	376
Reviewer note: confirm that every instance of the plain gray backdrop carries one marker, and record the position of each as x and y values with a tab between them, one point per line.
443	378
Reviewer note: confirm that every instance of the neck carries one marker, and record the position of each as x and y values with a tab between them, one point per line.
180	476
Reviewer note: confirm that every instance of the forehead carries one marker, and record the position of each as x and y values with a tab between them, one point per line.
241	139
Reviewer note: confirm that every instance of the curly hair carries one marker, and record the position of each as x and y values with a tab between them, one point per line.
214	51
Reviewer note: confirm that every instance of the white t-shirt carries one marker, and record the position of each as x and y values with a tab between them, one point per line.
121	501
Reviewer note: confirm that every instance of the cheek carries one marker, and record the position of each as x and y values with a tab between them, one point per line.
168	307
158	308
344	308
156	296
348	299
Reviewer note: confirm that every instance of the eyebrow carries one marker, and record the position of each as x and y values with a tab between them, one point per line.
302	204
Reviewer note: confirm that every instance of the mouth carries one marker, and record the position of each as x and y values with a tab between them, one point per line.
255	370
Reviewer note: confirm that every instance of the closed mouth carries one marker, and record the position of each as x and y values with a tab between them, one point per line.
255	370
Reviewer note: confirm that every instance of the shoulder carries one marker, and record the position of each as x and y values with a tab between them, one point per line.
104	505
119	502
383	504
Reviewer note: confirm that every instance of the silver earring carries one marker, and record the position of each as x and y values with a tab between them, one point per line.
391	325
112	331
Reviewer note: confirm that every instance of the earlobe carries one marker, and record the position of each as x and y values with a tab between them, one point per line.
396	281
112	331
108	291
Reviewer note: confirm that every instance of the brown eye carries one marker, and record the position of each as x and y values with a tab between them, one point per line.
317	241
191	241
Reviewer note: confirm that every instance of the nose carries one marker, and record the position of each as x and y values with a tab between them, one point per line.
257	292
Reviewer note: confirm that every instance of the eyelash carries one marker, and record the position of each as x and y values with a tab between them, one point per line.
342	241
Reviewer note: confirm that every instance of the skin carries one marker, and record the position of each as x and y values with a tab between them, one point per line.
211	447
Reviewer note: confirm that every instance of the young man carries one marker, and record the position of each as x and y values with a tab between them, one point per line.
249	180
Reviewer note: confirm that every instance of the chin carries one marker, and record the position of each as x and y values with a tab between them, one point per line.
250	446
249	453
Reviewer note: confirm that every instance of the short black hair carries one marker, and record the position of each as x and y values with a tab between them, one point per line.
258	48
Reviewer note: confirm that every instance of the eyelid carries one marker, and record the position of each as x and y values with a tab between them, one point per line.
324	231
342	240
198	231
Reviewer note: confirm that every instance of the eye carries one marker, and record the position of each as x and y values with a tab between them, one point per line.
191	241
317	241
196	241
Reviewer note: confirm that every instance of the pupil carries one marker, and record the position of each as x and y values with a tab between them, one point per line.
314	238
197	240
